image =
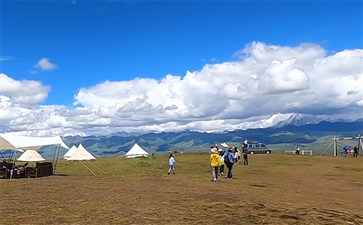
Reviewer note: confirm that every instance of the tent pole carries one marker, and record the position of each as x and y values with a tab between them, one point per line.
54	155
56	160
96	167
12	161
360	145
88	168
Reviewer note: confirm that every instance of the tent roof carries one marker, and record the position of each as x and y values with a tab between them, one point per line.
31	156
81	154
70	152
8	141
136	150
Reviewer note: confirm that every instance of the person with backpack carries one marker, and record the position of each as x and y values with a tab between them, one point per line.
229	161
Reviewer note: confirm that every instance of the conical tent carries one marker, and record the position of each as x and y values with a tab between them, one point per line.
136	151
31	156
81	154
70	152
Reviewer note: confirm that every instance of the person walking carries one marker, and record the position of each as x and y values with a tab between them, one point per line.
245	156
229	160
214	162
171	164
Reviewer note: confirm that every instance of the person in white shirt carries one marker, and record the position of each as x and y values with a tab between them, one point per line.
171	164
245	142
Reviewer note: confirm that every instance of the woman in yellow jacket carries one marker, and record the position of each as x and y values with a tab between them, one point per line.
214	162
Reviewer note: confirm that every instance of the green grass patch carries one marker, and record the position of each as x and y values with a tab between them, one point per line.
273	189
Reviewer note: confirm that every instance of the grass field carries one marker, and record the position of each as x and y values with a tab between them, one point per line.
273	189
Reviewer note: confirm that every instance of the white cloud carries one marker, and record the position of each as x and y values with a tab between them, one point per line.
282	77
264	86
45	65
5	58
24	91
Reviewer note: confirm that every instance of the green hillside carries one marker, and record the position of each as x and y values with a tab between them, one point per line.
316	137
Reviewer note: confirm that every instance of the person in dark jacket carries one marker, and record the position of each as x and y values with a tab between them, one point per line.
356	150
229	160
245	156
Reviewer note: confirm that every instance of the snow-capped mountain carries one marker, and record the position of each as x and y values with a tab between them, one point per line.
298	119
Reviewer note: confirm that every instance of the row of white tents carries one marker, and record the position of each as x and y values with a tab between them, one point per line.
32	144
81	153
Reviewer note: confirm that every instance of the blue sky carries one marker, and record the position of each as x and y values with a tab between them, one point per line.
86	43
101	40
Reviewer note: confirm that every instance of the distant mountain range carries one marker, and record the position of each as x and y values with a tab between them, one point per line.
299	120
282	136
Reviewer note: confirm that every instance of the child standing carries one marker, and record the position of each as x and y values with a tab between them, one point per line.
214	162
171	164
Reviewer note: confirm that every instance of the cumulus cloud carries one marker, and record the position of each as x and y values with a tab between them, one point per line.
267	80
264	86
283	77
45	65
24	91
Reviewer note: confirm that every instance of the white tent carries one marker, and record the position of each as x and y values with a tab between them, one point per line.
70	152
8	141
81	154
11	142
224	145
136	151
31	156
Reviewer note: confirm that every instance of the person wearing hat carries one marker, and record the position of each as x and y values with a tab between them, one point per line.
214	162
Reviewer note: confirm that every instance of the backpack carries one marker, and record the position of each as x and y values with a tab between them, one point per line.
226	160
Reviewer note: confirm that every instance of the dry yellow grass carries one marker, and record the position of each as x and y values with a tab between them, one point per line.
273	189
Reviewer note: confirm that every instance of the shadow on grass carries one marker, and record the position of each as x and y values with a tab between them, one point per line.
60	175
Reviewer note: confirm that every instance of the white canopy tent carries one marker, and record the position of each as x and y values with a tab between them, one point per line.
136	151
12	142
31	156
8	141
